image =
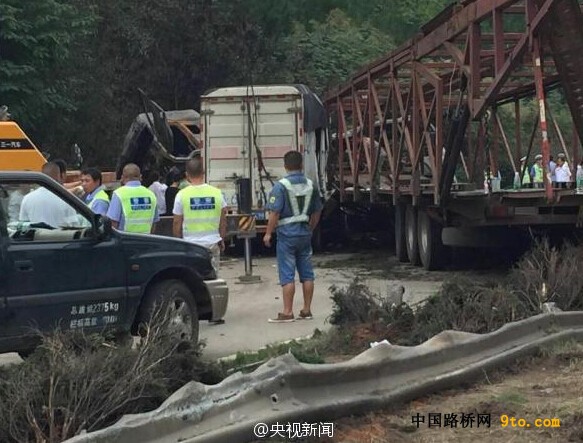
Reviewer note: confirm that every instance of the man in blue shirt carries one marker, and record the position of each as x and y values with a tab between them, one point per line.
131	178
95	196
295	209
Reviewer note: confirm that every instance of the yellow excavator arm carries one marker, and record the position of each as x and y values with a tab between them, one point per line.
17	151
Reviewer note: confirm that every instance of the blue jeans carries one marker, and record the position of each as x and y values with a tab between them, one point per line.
294	253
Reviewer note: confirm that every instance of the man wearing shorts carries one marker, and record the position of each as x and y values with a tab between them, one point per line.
295	209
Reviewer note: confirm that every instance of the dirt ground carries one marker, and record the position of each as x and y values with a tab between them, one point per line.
547	386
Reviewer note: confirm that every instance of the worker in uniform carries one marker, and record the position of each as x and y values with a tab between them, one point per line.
200	212
133	206
537	172
95	196
295	209
526	182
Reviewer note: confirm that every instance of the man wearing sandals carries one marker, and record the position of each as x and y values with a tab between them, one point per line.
295	209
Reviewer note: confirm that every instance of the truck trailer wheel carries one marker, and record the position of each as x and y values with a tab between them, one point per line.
400	234
431	249
173	297
411	235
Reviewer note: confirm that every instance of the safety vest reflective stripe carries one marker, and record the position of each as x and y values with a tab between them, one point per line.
202	206
293	219
202	220
293	192
141	220
139	207
538	173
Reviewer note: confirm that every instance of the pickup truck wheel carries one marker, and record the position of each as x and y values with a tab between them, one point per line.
174	295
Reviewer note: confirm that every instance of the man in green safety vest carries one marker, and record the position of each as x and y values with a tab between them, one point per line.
537	172
200	212
95	196
294	208
526	182
133	206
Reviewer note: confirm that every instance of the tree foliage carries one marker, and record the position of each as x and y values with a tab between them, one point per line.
70	69
38	39
325	54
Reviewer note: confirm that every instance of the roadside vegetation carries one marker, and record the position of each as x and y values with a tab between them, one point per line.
545	274
75	382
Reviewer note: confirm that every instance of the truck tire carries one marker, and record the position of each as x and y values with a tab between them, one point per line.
411	235
431	248
400	234
174	295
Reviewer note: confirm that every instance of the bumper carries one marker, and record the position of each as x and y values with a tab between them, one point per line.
219	295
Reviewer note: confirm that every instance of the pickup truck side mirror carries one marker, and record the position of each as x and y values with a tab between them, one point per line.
103	227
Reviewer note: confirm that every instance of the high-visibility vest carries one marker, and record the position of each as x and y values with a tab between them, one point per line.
294	192
526	176
100	196
138	204
202	206
538	173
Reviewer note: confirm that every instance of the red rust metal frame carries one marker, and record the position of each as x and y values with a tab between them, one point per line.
399	106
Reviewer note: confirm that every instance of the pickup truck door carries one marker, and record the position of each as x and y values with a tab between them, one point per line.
63	276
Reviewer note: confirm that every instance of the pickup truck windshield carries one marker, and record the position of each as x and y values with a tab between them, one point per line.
33	212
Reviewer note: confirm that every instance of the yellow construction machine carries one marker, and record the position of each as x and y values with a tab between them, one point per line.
17	151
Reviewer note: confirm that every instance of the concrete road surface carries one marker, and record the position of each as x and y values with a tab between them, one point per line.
246	327
251	305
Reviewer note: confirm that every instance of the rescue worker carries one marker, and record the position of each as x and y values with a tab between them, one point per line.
200	212
295	209
95	196
537	172
133	206
526	182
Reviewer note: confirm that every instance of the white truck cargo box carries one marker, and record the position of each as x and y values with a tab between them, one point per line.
247	130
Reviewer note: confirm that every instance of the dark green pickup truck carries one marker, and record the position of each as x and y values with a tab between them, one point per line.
74	271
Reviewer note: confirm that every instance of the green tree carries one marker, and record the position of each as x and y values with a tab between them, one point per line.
324	54
400	19
37	39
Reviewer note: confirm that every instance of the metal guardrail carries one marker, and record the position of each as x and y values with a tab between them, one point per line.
284	390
